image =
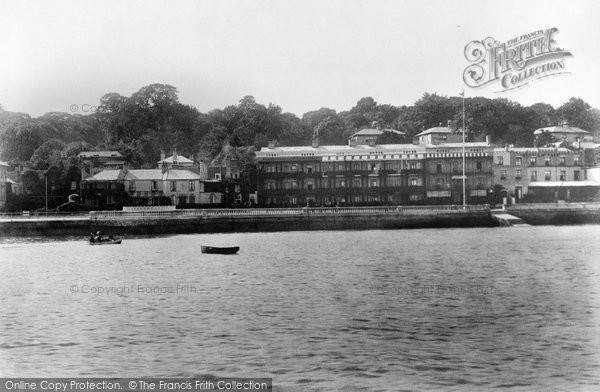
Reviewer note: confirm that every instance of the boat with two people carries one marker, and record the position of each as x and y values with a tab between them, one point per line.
99	239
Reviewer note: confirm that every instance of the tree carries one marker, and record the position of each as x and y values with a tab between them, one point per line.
388	137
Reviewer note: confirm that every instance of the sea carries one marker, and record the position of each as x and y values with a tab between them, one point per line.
509	308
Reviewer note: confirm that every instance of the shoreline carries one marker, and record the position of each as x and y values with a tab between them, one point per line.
294	219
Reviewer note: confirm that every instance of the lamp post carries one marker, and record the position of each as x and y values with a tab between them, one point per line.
46	189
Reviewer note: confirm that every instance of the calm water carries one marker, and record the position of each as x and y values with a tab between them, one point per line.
451	309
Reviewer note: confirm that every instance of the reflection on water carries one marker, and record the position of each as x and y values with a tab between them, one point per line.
346	310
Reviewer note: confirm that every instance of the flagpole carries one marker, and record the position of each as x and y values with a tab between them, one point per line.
463	153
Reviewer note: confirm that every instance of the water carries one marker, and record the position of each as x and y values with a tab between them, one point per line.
448	309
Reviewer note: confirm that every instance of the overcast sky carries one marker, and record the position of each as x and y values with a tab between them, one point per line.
299	54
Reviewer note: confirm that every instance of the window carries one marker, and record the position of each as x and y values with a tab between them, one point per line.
340	182
356	166
533	176
340	167
394	181
547	160
218	176
576	175
547	175
270	184
373	182
455	167
310	184
438	167
561	161
131	186
192	199
518	161
576	160
294	168
415	181
532	161
503	174
356	182
309	169
480	182
173	186
271	169
439	183
518	174
192	186
479	166
414	165
563	175
415	197
324	183
153	186
500	161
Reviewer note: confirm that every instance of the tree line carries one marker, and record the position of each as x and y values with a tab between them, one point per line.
152	119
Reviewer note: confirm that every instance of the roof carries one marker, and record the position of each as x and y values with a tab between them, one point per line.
375	132
145	174
180	159
546	184
107	175
100	154
436	130
4	164
561	129
158	174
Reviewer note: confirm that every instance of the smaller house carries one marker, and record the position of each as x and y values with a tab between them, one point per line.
93	162
574	136
439	135
369	136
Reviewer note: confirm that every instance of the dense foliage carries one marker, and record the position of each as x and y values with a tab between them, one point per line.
153	119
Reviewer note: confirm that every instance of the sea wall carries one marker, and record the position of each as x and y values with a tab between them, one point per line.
557	214
236	220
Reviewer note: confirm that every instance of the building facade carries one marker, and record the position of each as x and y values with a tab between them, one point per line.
400	174
518	169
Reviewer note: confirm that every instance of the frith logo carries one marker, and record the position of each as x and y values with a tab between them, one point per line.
516	62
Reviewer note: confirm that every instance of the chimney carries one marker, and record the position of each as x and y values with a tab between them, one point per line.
449	123
174	156
162	155
271	143
315	142
487	140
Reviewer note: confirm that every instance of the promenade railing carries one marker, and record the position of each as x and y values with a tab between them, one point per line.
270	212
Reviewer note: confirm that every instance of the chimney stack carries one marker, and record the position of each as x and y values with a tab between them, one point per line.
162	155
271	143
174	156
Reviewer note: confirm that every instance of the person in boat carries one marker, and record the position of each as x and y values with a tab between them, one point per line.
110	237
92	239
98	236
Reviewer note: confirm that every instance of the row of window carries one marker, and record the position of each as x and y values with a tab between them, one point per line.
456	166
172	186
344	183
533	161
562	175
341	166
332	200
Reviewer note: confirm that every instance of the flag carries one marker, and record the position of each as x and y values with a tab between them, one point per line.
462	94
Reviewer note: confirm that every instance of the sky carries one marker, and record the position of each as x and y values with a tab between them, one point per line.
299	54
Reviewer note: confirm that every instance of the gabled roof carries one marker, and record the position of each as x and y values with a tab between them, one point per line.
158	174
107	175
180	159
436	130
561	129
375	132
100	154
